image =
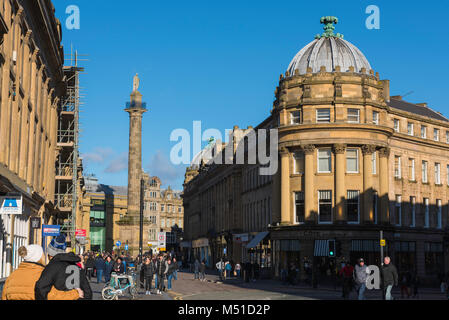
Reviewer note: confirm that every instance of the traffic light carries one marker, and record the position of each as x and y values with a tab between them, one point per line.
332	247
338	248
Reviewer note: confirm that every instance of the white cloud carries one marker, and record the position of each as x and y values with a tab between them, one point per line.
118	164
161	167
98	155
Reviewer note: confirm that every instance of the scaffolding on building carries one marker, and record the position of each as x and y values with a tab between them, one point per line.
68	163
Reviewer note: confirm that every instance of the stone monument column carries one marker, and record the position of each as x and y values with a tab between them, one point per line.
130	224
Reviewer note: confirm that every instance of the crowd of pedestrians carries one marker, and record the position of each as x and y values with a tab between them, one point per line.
33	280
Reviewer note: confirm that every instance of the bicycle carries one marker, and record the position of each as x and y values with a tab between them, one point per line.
115	289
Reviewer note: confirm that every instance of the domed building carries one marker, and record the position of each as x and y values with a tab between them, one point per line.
353	162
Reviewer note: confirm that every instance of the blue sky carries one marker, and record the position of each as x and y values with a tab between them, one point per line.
219	62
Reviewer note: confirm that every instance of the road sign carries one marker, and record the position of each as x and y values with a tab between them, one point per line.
162	240
383	243
118	243
51	231
80	233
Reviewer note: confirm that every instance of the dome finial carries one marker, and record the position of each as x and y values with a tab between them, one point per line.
329	28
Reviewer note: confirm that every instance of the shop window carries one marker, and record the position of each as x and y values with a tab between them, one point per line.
434	260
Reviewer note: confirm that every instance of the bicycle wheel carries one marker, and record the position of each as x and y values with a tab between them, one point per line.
108	293
133	292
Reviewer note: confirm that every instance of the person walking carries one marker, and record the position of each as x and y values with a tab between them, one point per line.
90	265
347	274
170	273
176	267
20	285
203	270
228	268
237	269
405	285
415	285
161	271
256	267
389	277
361	272
119	267
100	267
196	268
109	266
60	271
148	271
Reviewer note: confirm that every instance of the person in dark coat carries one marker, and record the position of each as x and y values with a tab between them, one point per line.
389	277
119	267
148	272
100	267
109	265
89	266
161	271
61	271
170	273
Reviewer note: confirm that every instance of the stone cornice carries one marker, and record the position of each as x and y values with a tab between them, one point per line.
336	126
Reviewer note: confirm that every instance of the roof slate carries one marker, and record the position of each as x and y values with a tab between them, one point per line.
413	108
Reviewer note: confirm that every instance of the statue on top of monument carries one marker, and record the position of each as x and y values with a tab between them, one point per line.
136	82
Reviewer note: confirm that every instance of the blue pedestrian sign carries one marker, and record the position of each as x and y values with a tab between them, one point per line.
126	247
118	243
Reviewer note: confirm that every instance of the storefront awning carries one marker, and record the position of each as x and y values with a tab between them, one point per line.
186	244
256	240
321	248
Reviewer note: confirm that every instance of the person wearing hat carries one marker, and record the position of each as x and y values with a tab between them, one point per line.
59	269
21	283
361	272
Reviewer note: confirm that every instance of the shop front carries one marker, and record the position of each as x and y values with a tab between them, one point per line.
259	252
201	250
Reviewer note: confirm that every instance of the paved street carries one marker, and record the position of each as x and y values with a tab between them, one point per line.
186	288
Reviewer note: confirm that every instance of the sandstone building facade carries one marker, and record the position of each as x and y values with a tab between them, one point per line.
31	87
353	161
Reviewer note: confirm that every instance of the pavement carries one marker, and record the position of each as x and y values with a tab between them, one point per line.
188	288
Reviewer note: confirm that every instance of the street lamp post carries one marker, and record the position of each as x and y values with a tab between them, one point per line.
142	184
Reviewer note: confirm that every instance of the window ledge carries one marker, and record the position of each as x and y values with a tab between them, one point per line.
425	183
438	184
413	181
397	179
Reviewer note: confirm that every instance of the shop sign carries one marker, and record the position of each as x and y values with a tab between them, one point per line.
11	204
203	242
51	231
80	233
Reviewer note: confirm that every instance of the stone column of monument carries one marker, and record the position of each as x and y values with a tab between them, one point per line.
130	224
